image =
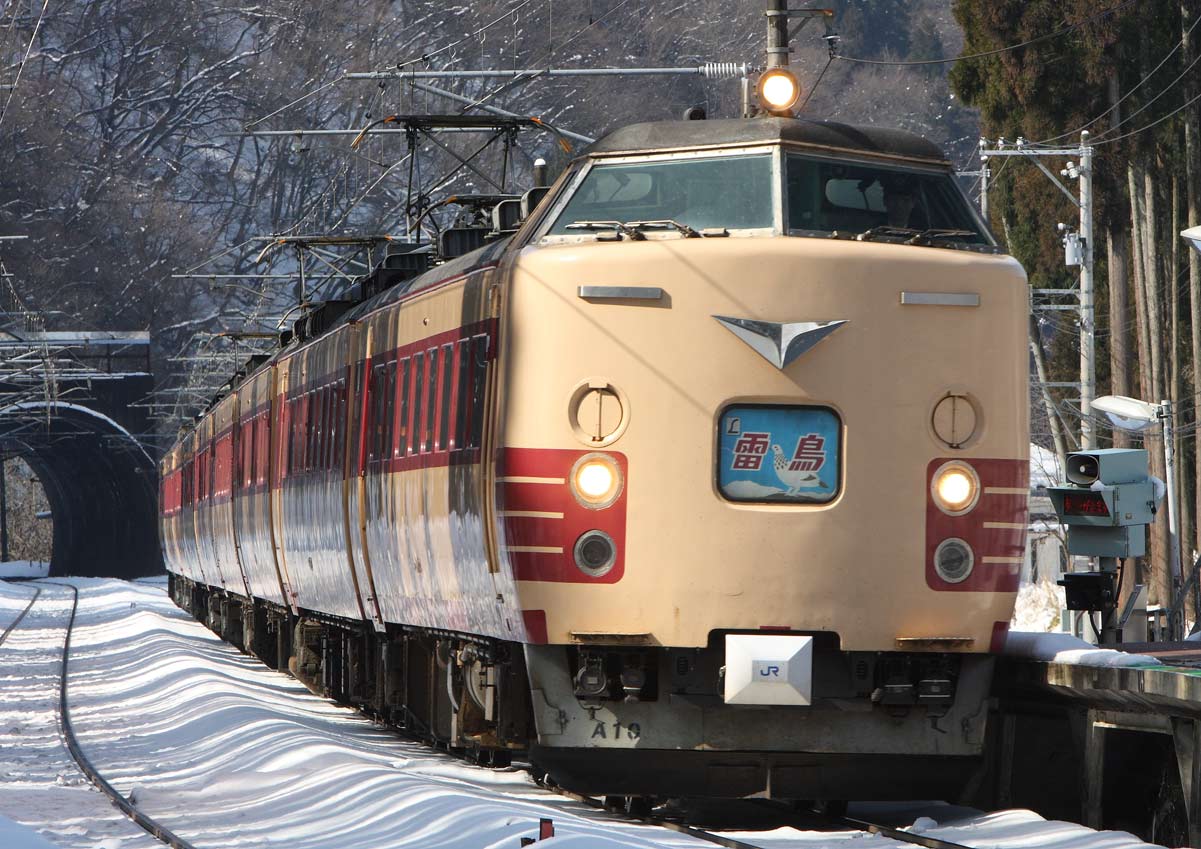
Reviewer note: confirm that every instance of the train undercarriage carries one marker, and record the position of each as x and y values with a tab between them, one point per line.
632	721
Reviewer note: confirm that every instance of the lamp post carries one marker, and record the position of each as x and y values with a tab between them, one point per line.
1135	415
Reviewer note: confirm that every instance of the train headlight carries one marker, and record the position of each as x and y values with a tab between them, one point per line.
955	488
779	89
596	481
953	560
595	553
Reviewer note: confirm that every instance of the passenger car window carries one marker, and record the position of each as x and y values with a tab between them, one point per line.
733	192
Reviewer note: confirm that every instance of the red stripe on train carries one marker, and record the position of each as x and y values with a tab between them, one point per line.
542	520
999	549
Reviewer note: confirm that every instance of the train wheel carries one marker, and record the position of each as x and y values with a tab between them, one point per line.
639	806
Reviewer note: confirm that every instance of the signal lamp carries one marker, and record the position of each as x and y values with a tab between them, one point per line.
955	488
953	560
596	481
595	553
779	89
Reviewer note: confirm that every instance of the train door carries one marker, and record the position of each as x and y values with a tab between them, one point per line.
277	466
233	480
361	441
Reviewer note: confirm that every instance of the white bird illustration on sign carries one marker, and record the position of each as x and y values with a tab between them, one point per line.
794	480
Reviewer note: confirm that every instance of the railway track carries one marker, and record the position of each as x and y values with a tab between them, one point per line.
782	813
150	825
804	821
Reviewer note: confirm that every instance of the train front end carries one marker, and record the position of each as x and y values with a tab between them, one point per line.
762	463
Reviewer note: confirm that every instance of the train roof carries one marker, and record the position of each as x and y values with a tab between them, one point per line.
669	135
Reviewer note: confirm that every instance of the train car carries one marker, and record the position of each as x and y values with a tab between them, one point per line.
710	480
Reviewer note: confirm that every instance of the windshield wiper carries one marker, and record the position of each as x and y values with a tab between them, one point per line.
633	229
915	237
665	224
620	228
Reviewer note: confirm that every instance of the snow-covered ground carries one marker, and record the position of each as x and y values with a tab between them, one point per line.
24	569
230	754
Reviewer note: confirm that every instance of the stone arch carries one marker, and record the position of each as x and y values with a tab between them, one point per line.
101	484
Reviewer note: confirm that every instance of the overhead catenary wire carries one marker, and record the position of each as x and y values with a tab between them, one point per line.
25	58
1131	90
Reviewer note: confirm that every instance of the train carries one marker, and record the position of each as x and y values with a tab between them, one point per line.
703	474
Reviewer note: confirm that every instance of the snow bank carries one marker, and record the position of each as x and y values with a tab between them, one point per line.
24	569
1064	648
13	836
1039	607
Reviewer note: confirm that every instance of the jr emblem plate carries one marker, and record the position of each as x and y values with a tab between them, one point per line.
779	454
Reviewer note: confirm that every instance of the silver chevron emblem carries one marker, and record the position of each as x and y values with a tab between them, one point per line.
779	343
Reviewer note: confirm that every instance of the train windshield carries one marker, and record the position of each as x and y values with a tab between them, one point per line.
727	192
878	201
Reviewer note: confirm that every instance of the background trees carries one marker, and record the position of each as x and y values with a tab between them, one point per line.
1127	74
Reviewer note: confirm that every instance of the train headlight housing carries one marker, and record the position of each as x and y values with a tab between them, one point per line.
955	488
953	560
596	481
595	553
779	90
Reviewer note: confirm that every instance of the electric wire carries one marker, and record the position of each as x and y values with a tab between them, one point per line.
21	66
816	83
983	54
425	57
1155	123
1131	90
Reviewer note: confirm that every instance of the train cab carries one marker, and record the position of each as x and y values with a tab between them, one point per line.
773	461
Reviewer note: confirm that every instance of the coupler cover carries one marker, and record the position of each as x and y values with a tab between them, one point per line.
768	670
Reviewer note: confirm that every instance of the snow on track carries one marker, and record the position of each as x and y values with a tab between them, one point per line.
40	785
228	753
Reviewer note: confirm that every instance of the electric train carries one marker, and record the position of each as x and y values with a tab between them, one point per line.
708	477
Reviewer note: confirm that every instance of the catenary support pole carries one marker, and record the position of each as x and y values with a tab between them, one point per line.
777	33
1169	457
1088	327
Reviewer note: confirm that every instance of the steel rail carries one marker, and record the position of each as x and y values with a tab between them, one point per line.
900	834
873	828
4	636
150	825
650	819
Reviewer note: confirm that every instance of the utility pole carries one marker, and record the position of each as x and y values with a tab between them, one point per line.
1078	250
1088	324
3	512
777	33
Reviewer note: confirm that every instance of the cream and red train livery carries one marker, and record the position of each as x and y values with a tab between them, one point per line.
709	480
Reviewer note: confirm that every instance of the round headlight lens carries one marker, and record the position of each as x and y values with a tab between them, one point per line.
595	553
953	560
955	488
596	480
779	90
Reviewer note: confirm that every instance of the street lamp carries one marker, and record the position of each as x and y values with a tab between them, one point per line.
1135	415
1193	236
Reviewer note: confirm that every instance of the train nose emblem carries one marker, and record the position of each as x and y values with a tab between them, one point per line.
779	342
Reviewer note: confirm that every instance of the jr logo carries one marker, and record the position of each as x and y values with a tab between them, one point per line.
772	670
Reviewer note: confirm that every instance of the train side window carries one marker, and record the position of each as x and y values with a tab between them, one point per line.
448	375
403	406
479	384
379	399
327	453
419	379
339	431
310	429
431	406
462	405
389	423
293	424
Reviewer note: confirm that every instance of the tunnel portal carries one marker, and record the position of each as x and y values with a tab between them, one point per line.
69	407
